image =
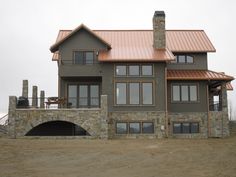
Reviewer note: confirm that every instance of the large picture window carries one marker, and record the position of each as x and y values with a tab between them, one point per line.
83	57
134	93
184	93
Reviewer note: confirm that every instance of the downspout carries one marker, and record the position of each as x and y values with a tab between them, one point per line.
166	106
208	112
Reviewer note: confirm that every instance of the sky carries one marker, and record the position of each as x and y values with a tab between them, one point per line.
29	27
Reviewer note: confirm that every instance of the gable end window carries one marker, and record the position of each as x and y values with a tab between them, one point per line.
184	92
84	57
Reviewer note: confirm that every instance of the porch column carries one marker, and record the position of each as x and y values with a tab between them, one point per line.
224	98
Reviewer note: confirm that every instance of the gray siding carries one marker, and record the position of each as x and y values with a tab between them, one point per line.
80	41
200	106
108	81
200	63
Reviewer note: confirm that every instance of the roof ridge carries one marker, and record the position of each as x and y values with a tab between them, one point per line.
137	30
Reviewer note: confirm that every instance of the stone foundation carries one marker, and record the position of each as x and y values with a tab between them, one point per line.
201	118
158	118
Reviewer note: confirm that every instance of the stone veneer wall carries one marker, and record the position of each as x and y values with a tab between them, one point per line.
155	116
219	124
200	117
94	121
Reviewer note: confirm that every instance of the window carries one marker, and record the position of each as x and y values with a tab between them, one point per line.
148	127
184	93
134	127
121	128
121	93
83	57
146	70
185	127
183	59
121	70
83	95
147	93
132	93
134	70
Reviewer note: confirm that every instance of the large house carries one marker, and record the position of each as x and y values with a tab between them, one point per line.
135	83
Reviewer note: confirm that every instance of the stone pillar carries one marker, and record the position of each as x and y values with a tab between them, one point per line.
225	116
25	89
224	98
35	97
11	116
104	118
42	97
159	31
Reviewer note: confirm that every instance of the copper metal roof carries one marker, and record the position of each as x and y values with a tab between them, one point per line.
138	44
197	75
229	86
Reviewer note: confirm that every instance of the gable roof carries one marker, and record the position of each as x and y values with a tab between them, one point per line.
197	75
63	36
137	45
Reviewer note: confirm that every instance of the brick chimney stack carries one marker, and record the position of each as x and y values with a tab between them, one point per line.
159	30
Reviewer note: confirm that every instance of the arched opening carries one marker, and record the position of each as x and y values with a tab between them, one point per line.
57	128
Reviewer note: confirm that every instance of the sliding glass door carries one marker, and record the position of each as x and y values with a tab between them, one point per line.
83	95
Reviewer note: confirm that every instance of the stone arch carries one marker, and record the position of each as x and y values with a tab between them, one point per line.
58	126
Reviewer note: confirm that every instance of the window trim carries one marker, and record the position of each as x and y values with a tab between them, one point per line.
180	94
181	127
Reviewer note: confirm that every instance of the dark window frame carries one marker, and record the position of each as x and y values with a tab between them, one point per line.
128	70
84	61
89	93
180	85
190	127
177	60
128	93
140	126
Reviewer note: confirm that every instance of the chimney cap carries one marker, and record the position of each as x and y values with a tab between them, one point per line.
159	13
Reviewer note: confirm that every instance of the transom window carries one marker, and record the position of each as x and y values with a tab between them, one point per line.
184	93
83	95
134	70
134	127
185	127
183	59
134	93
84	57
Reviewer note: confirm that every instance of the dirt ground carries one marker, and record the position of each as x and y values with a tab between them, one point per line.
118	158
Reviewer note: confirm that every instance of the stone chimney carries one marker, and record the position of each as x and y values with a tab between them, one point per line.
159	30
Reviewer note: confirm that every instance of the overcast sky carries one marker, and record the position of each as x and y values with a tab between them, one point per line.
30	27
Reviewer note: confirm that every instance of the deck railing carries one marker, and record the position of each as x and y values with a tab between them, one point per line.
216	106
